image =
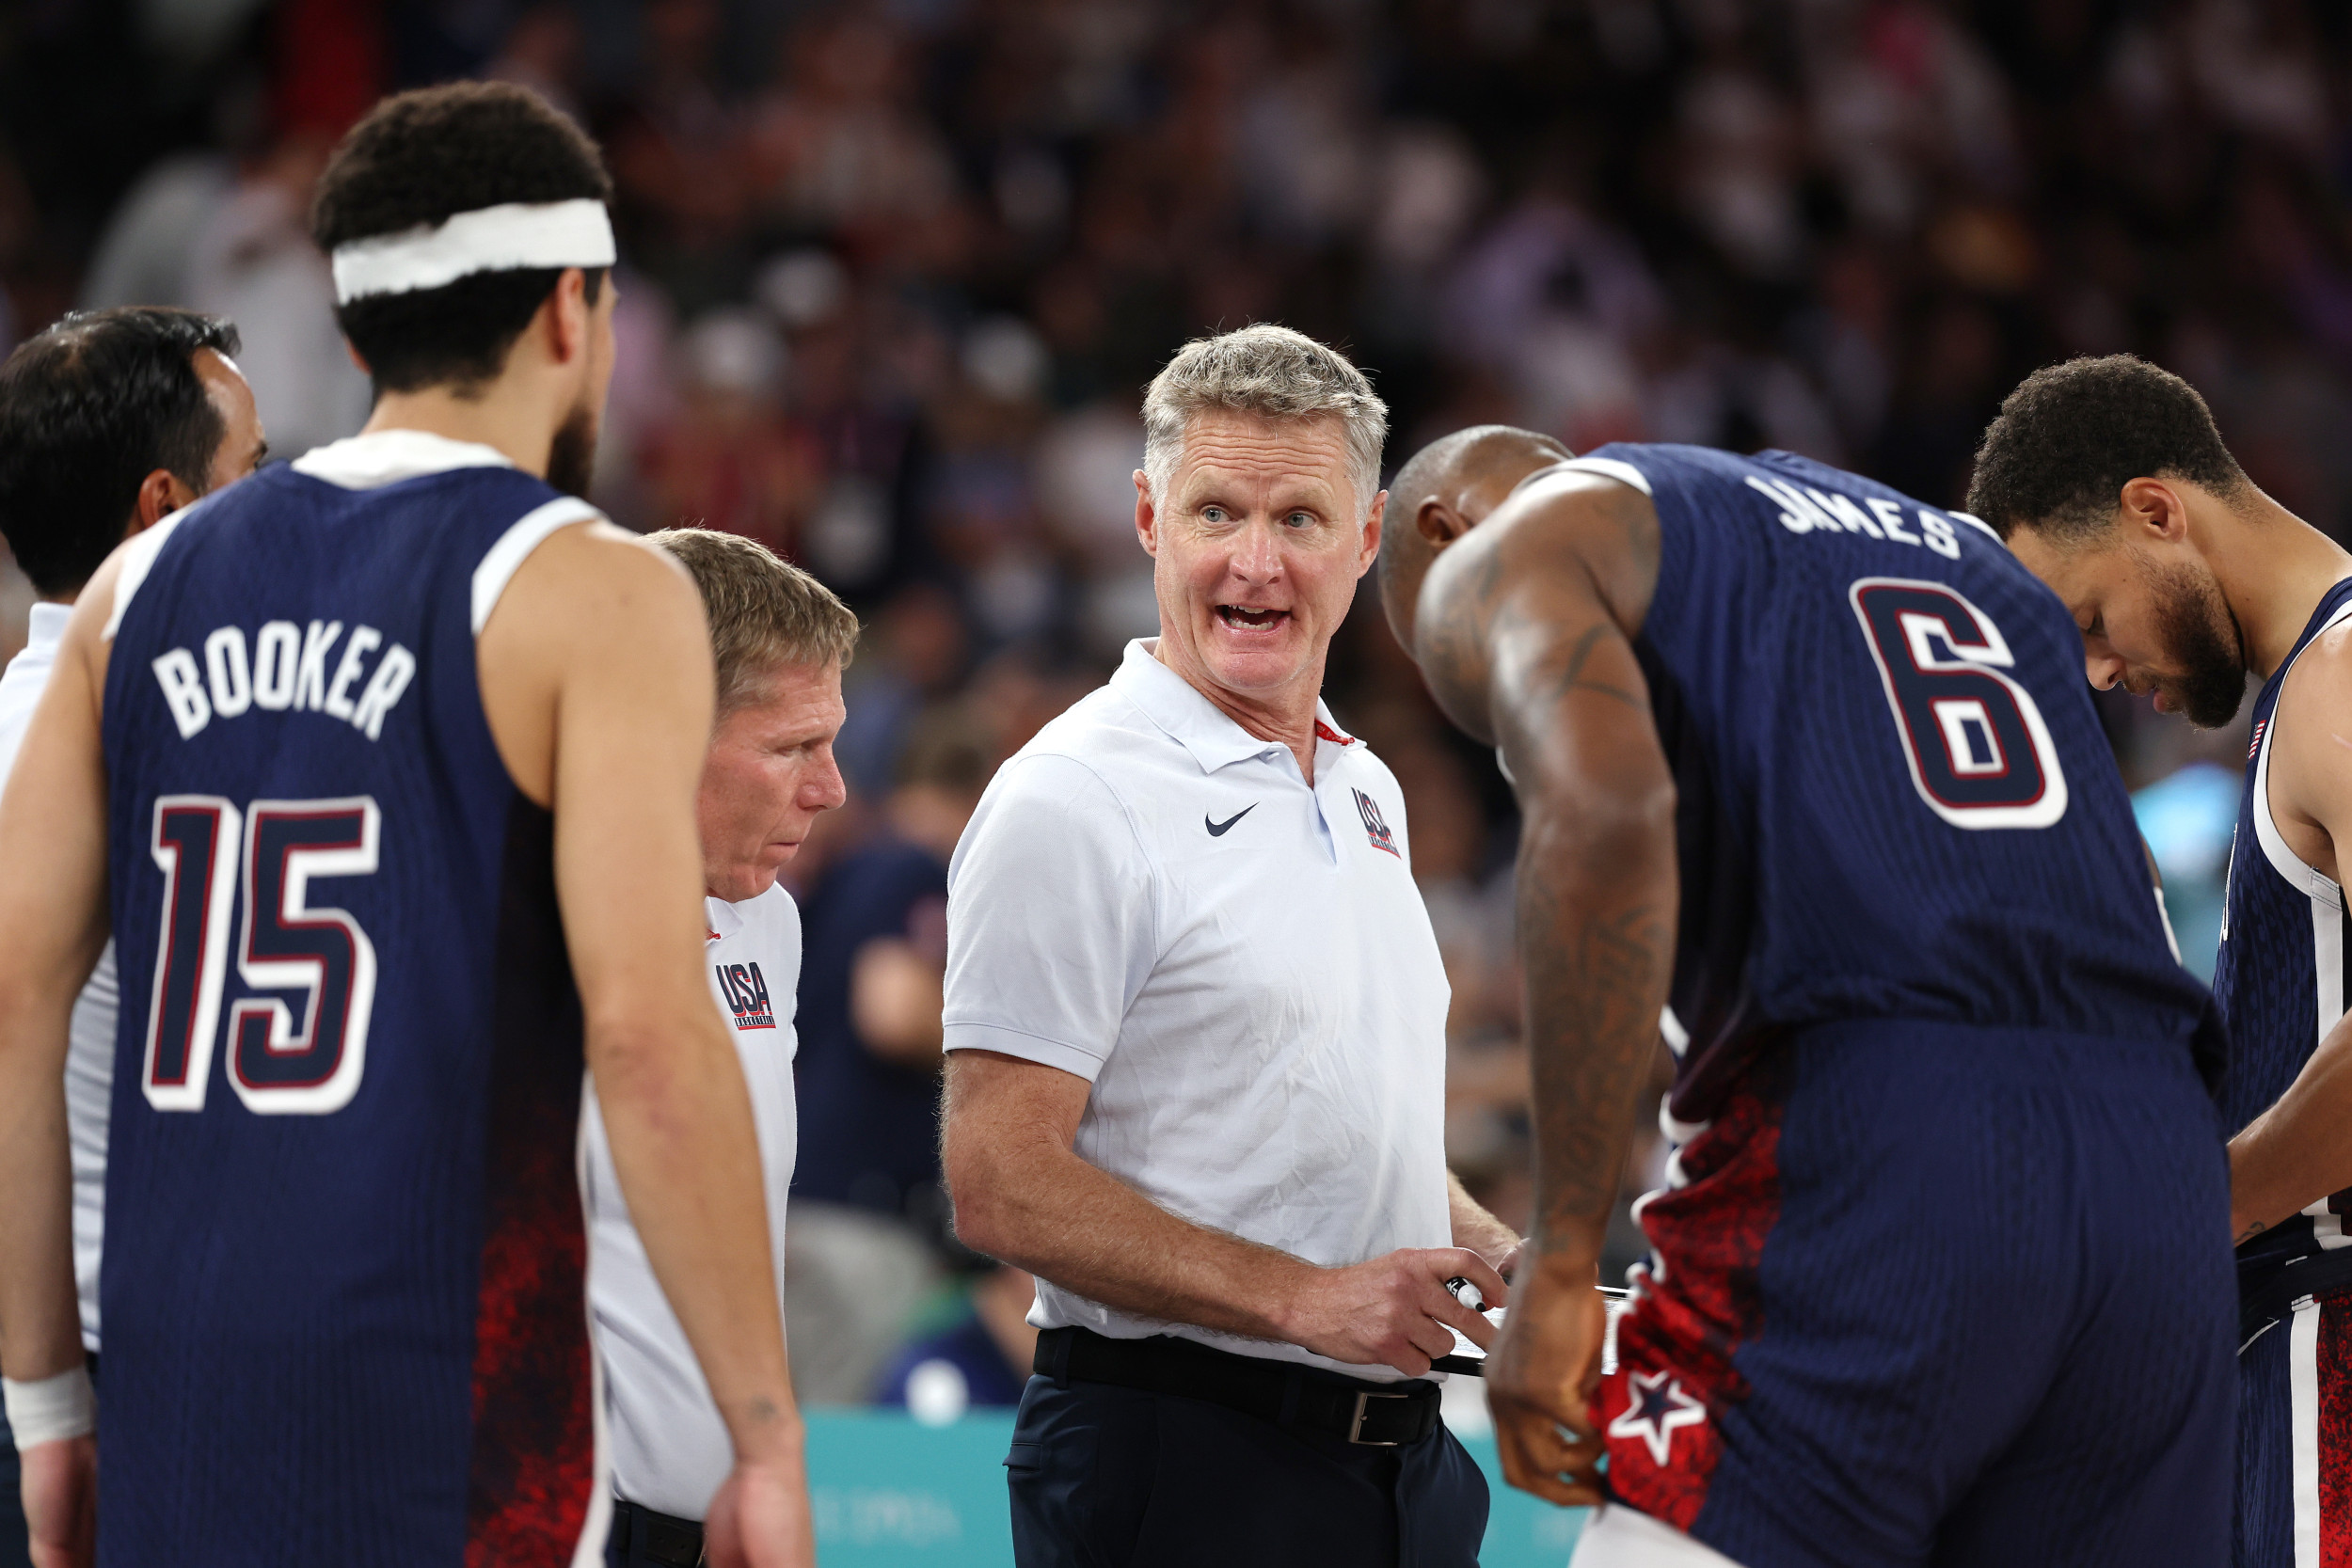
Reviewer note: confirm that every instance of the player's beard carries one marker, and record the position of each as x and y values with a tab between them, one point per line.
572	456
2194	624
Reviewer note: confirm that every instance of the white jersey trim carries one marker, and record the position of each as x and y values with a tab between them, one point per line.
505	558
589	1551
2327	901
138	558
381	457
2303	1428
2322	890
1607	467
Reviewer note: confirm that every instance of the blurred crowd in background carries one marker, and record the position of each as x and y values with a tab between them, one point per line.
896	272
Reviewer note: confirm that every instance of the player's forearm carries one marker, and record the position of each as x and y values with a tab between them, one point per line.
40	1324
1046	1210
687	1153
2300	1149
1596	930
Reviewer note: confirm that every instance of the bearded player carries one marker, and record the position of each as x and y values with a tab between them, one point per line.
2109	480
381	766
1940	1271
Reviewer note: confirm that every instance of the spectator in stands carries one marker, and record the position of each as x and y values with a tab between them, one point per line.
982	1359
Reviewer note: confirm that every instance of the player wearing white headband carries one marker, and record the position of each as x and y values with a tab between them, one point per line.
409	733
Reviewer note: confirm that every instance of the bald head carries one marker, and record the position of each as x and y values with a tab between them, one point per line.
1442	492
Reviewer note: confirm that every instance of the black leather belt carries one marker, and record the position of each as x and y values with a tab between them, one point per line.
641	1535
1372	1414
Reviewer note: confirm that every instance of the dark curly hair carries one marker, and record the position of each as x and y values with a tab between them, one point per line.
418	158
88	410
2070	438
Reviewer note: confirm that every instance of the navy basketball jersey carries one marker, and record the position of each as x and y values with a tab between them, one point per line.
2279	975
1895	798
344	1278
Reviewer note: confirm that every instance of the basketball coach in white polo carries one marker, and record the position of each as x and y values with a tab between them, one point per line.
1195	1018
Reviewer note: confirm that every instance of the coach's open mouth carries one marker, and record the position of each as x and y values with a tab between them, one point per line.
1250	618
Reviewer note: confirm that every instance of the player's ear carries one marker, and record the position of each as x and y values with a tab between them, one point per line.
568	317
1439	523
2153	510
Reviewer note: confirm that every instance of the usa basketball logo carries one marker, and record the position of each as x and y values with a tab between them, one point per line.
746	991
1375	829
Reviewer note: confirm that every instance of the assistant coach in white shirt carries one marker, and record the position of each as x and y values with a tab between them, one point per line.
1195	1025
779	639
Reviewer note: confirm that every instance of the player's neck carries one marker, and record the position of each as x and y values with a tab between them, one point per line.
513	421
2274	568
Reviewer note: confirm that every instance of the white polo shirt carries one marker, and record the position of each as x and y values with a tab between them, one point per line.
1152	898
670	1449
89	1062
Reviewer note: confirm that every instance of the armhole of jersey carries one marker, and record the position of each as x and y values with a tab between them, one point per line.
2307	880
505	559
138	558
1607	467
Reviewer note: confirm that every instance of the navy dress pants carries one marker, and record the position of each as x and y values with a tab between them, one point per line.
1106	1477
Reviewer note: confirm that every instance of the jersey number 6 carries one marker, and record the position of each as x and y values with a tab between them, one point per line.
1979	754
284	944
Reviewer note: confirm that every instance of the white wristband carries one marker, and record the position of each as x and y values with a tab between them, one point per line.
50	1409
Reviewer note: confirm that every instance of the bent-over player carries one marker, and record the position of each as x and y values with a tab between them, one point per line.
780	639
2108	478
1939	1272
385	762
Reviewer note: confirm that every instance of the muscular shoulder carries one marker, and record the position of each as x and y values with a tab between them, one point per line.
2311	753
1568	546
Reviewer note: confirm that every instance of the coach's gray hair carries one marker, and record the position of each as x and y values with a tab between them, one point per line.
765	613
1276	373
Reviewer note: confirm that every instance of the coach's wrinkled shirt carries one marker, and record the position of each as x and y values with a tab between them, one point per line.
1154	899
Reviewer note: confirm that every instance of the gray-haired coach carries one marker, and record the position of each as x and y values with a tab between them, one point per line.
1195	1025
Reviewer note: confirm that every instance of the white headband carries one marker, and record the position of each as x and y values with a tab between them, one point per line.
489	239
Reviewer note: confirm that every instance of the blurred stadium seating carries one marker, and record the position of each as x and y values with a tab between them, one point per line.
895	273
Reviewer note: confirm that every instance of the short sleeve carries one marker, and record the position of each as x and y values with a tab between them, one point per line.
1050	918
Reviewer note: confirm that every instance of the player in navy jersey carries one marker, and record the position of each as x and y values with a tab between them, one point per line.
2110	481
380	768
1940	1271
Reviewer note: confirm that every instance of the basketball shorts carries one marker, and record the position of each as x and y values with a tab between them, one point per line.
1927	1294
2295	1440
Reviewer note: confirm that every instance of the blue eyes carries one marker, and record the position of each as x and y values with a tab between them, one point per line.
1294	519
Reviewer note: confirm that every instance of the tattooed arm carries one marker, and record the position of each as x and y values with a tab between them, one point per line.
1525	630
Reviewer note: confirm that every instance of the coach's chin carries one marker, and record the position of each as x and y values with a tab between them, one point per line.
1195	1018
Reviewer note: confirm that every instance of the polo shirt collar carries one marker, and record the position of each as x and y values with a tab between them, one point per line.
722	920
1191	720
45	629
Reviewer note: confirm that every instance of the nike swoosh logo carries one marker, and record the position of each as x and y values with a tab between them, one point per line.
1217	830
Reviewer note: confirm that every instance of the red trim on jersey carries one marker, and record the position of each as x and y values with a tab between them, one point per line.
532	1476
1327	733
1681	1336
2335	1431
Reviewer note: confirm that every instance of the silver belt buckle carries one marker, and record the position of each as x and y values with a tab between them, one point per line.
1356	1425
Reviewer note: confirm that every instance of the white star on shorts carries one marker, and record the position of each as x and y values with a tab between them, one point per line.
1658	1406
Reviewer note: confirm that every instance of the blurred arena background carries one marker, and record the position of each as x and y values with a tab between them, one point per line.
896	272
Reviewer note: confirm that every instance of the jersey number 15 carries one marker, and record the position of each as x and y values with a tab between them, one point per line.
284	944
1979	754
